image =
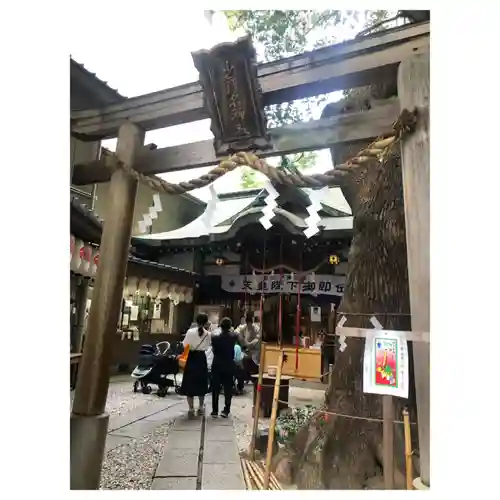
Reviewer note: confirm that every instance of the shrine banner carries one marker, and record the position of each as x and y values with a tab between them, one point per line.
385	363
321	284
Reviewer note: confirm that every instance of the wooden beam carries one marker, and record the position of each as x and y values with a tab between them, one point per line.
317	134
357	62
413	91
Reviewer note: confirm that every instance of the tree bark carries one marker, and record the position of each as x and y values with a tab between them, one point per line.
344	453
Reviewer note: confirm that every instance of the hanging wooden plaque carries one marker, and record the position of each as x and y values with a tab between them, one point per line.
228	76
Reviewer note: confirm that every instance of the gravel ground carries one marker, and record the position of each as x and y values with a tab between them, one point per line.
122	399
133	465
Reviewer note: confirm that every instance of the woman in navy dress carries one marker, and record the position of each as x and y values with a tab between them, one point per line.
223	367
195	377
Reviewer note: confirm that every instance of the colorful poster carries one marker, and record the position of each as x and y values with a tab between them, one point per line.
385	364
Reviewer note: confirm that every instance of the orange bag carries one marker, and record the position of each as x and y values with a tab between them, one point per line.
182	358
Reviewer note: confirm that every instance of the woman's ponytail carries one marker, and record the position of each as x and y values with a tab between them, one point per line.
201	321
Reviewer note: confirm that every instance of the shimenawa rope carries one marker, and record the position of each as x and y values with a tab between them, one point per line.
378	149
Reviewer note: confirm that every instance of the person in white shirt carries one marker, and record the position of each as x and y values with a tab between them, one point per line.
195	376
249	336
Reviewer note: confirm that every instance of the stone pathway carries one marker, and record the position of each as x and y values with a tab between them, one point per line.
200	454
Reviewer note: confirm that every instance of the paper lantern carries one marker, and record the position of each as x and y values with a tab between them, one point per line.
164	290
143	287
172	292
76	259
154	288
130	286
95	262
87	260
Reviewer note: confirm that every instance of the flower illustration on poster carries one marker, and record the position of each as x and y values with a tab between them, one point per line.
385	363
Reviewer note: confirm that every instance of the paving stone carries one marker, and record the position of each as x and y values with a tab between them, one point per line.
224	452
174	483
185	424
165	415
184	440
113	442
219	422
115	422
222	477
178	462
219	433
137	429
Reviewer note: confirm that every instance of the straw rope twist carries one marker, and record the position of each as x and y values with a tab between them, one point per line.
378	149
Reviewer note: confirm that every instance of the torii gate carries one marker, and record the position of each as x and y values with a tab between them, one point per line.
403	51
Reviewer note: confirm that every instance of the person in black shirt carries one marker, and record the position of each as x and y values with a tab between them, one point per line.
223	367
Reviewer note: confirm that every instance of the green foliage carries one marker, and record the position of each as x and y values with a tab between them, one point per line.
289	423
249	179
293	163
282	33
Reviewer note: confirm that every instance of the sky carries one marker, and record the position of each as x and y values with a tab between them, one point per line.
164	61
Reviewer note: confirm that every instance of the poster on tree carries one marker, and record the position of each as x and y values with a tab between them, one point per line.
385	363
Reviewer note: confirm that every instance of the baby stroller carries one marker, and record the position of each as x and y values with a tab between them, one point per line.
153	367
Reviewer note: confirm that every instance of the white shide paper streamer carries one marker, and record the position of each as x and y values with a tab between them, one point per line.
208	216
316	196
151	215
271	204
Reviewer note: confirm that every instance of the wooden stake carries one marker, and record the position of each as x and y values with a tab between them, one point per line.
248	481
258	479
272	425
273	480
388	441
256	408
408	450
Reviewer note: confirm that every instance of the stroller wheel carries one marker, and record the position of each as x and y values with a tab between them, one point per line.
147	389
177	390
136	386
162	392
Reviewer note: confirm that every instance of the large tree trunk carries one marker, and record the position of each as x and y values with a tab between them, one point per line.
344	453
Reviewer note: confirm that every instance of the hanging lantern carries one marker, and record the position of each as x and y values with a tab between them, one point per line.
154	288
334	260
130	286
173	294
76	259
143	287
85	259
164	290
189	296
95	262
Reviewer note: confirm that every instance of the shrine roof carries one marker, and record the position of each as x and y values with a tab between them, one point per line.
235	210
101	93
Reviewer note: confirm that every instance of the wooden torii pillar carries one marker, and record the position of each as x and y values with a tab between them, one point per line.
89	422
413	91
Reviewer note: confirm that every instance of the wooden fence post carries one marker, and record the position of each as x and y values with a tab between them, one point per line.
258	397
413	91
408	450
272	424
388	441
